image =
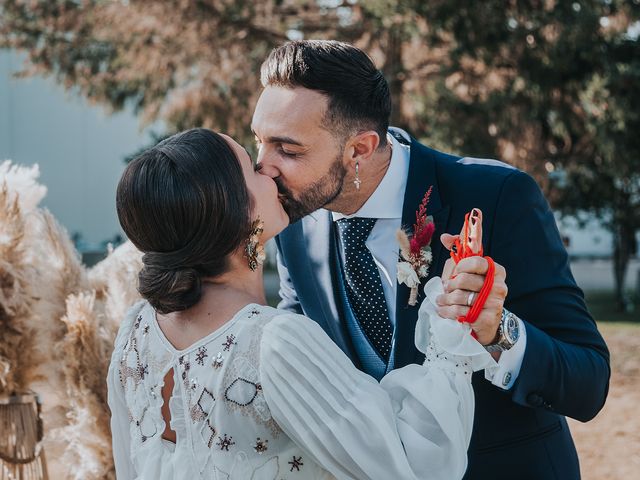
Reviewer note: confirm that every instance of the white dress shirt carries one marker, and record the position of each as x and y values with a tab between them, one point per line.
386	204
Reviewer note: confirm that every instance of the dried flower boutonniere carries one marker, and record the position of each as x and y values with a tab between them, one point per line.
415	250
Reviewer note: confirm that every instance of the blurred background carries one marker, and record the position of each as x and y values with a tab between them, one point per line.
549	86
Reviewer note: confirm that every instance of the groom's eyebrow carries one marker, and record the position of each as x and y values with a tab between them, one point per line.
279	139
288	140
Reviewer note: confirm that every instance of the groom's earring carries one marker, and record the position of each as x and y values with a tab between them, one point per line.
357	181
254	250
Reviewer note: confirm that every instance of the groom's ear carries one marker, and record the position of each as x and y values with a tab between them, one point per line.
362	146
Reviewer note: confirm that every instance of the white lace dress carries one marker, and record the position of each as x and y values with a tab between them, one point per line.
270	396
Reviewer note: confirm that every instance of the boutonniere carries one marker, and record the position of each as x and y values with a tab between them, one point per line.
415	251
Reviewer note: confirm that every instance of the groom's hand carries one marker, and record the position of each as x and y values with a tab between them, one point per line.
459	281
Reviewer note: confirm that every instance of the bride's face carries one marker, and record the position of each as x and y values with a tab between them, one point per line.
264	192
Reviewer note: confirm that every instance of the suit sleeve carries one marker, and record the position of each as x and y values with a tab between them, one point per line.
288	296
566	361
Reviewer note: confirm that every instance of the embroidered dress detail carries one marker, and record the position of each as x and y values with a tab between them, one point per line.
261	446
231	340
218	361
276	389
225	443
242	392
211	432
201	355
296	463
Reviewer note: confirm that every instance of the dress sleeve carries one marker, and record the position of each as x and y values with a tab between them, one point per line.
415	424
120	436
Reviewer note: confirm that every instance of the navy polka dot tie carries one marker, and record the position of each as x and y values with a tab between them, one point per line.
364	288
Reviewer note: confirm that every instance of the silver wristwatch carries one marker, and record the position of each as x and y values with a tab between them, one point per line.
508	333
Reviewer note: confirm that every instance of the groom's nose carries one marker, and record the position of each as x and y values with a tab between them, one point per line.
268	164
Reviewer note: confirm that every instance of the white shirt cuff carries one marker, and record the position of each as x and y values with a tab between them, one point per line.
510	362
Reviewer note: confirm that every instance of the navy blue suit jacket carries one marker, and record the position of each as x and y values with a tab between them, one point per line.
521	433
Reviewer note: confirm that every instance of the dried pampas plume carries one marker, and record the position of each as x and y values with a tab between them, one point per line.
57	325
114	280
15	299
87	347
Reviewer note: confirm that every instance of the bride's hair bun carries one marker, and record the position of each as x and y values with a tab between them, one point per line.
170	290
184	203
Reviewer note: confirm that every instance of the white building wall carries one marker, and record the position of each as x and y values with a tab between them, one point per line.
79	147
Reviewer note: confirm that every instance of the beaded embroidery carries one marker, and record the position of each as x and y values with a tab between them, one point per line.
440	357
198	412
225	443
144	427
217	361
231	340
296	463
186	366
201	355
242	392
212	433
261	446
137	372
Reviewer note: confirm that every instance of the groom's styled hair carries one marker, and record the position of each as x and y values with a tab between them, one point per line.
358	93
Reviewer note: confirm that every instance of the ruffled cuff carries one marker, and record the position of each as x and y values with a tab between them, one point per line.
443	339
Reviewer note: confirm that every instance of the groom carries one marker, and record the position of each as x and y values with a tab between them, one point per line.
348	182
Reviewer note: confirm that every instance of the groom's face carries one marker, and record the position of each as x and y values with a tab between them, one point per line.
296	149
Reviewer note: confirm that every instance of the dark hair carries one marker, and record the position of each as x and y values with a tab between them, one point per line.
358	93
184	203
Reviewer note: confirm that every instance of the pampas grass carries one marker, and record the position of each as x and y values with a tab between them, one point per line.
92	319
114	281
87	347
15	301
58	322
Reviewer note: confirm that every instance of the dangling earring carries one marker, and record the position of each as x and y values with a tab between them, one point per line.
357	181
254	250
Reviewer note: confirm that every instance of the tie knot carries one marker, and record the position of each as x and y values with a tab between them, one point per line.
355	230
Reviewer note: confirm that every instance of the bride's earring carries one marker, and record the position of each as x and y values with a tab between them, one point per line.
254	250
357	181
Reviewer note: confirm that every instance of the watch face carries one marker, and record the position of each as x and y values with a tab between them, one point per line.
513	330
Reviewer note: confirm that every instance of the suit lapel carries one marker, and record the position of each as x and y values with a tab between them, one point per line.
321	258
422	175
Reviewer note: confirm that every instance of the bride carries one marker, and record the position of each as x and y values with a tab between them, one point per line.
207	381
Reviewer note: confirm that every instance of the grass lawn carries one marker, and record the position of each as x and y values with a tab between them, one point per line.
602	306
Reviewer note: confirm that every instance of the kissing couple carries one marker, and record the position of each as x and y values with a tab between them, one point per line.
364	370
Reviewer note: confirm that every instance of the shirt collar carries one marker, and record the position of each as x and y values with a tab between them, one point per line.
387	200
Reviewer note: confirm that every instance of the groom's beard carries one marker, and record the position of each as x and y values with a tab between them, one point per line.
316	195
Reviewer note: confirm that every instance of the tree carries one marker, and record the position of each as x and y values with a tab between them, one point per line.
546	85
551	87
